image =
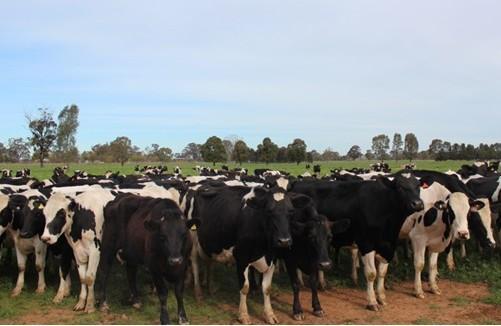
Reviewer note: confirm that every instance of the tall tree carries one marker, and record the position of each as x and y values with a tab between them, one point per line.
66	149
43	134
121	149
380	144
435	147
192	152
240	152
18	150
267	151
156	153
282	154
330	155
397	146
213	150
4	156
411	146
296	151
369	155
355	152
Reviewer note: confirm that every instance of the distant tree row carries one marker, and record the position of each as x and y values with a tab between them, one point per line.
56	142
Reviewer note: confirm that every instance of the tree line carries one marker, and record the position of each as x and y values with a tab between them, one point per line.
56	142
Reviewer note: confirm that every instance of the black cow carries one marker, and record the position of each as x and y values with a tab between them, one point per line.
316	168
156	236
311	238
376	209
247	225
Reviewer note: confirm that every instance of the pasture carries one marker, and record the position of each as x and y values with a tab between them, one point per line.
471	294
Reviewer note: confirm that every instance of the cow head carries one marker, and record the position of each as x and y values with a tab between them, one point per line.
276	206
58	215
27	215
169	232
408	190
5	213
458	208
480	224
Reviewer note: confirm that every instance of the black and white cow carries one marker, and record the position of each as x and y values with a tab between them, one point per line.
80	218
14	211
245	225
377	210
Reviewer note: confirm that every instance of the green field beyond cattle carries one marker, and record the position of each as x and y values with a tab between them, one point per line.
470	295
187	167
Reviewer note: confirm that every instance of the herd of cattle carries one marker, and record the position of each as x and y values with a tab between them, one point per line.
175	225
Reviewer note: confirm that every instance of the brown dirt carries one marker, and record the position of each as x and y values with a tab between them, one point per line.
459	303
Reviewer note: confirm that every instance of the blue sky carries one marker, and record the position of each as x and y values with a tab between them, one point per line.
334	73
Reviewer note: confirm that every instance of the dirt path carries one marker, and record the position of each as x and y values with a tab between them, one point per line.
459	304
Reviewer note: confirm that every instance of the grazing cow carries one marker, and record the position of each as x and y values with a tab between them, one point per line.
14	211
157	236
80	219
245	225
377	210
443	219
311	238
316	169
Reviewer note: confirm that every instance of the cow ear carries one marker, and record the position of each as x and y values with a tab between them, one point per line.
440	205
339	226
193	224
72	205
150	225
425	182
301	201
259	199
476	205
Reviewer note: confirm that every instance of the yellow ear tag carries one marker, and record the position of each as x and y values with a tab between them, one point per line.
193	227
40	206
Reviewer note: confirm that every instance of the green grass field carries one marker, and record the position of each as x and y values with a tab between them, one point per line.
187	167
214	310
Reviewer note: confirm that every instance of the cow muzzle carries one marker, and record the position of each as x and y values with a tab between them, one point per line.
47	239
25	235
175	261
417	205
463	235
325	265
284	242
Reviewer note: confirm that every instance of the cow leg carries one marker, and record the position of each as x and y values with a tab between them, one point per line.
21	266
382	268
450	260
322	283
433	271
243	280
292	272
40	254
181	313
355	264
64	278
131	278
62	287
82	268
315	303
419	255
208	268
162	297
300	277
90	278
370	276
463	249
269	315
196	272
105	265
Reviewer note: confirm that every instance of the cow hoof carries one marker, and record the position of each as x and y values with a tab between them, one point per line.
436	291
79	306
58	298
137	305
40	290
244	319
105	308
271	319
420	295
381	301
319	313
15	293
90	309
373	307
298	316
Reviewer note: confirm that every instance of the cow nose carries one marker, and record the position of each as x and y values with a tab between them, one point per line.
463	235
24	234
45	239
417	205
174	261
284	242
325	265
492	245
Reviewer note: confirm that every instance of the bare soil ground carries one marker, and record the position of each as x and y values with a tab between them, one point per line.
459	303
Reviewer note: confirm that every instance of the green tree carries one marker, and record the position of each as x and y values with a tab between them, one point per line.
192	152
156	153
240	152
43	134
121	149
66	149
435	147
18	150
330	155
267	151
213	150
397	145
369	155
411	146
282	154
380	144
355	152
296	151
